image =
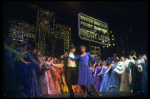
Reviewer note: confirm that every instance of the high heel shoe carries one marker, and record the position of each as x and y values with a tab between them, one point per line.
86	95
98	94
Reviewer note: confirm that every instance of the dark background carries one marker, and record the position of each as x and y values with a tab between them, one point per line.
126	19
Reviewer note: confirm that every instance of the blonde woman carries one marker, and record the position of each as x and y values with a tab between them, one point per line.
124	85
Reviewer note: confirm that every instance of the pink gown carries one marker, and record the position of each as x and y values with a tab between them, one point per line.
51	86
46	85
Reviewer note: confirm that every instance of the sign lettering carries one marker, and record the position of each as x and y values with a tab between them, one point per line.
92	29
21	30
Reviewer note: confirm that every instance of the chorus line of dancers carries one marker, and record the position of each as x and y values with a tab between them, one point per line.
28	74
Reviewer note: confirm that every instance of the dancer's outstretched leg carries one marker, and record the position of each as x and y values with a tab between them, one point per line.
86	91
96	90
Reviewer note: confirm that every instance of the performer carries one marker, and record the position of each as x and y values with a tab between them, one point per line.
145	59
62	81
98	78
43	79
71	71
64	87
56	76
124	85
142	72
104	85
115	58
11	87
108	58
23	71
92	69
133	54
50	79
35	68
85	76
133	74
139	69
113	79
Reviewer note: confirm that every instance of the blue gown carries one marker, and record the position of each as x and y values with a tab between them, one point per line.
23	74
27	77
114	81
85	76
11	87
90	87
37	69
144	82
104	85
33	76
112	58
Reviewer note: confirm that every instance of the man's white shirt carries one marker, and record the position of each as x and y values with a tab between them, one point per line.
71	63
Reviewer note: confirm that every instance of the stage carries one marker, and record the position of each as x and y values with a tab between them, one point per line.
104	95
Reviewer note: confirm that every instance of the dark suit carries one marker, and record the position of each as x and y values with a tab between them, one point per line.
71	75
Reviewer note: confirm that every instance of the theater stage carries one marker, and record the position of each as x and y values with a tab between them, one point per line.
104	95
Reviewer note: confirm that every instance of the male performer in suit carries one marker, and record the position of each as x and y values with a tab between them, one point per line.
71	71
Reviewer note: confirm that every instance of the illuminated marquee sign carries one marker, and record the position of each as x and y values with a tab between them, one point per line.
21	30
61	30
45	28
92	29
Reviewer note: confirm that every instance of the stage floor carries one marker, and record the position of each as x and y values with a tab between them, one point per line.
104	95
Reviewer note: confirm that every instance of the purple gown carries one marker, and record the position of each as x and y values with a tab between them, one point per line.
98	78
90	87
43	79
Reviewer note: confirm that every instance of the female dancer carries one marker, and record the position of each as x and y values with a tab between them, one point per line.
133	72
43	85
50	80
124	85
64	86
144	82
23	71
113	79
56	76
98	78
11	86
85	76
104	85
92	68
35	68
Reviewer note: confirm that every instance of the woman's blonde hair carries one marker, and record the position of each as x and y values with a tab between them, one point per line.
122	58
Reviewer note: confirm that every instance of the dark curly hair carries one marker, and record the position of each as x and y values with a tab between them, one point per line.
27	46
83	46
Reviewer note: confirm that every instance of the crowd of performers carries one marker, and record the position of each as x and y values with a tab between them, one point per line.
122	75
28	74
